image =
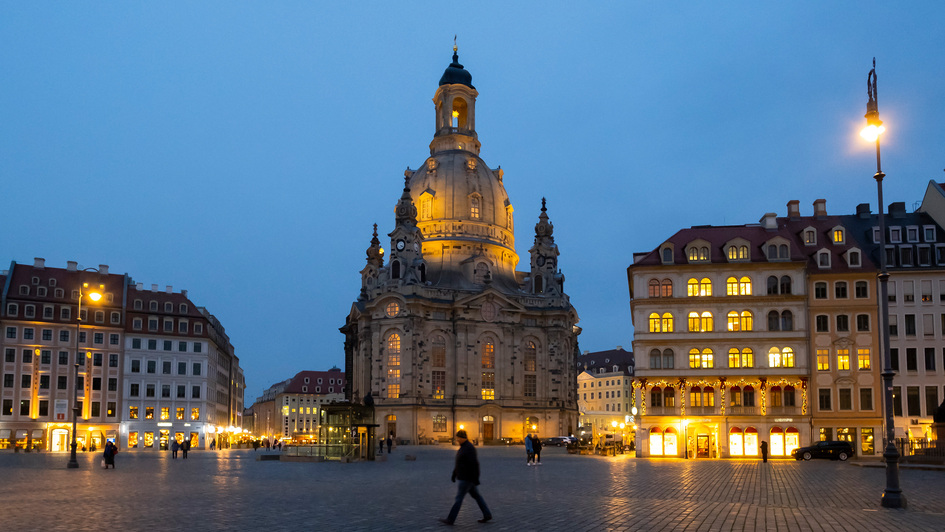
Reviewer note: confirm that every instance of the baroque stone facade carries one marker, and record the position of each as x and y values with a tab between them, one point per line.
447	334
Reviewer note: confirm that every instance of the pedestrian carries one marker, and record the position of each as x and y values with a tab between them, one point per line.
529	450
255	445
536	448
213	444
380	446
764	451
174	447
390	441
466	471
110	451
185	447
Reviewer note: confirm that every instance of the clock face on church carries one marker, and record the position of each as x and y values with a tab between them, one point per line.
400	245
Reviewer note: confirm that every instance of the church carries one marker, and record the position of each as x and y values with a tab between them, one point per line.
446	333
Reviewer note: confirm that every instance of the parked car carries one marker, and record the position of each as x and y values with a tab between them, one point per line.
557	441
834	450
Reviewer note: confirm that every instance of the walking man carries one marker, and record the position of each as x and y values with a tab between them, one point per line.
467	472
764	451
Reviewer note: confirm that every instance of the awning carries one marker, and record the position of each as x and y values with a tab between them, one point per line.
5	434
21	434
37	434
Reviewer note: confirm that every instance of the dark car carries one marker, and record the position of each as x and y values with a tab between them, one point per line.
558	441
834	450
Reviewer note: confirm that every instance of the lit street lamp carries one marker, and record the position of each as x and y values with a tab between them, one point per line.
892	496
94	296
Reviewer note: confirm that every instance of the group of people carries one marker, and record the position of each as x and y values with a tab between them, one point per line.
389	441
108	458
532	450
183	446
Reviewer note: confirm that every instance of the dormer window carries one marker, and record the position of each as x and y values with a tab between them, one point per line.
895	235
698	254
853	258
667	255
810	237
838	237
929	231
738	253
823	259
912	234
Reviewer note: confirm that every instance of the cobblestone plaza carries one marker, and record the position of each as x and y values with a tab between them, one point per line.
231	490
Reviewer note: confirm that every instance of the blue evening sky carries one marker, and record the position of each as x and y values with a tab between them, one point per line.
242	150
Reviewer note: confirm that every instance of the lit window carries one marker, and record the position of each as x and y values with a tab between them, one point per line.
474	207
843	359
393	350
774	358
863	358
838	236
823	360
165	413
787	357
488	385
133	412
530	356
488	354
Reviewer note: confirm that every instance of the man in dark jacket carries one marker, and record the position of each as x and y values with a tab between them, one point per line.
467	472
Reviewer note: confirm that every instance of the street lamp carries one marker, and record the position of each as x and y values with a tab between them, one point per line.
94	296
892	496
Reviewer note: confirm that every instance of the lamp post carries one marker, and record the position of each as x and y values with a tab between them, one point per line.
892	496
94	296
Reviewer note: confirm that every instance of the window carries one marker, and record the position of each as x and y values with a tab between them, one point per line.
821	323
61	382
862	322
655	359
198	328
196	369
785	284
853	258
132	412
488	354
845	399
843	359
823	360
781	358
182	347
149	412
699	288
843	323
700	322
181	368
488	385
152	324
530	356
787	321
165	413
667	255
531	387
931	400
438	383
823	399
166	390
740	359
774	320
866	398
698	253
861	290
181	391
820	290
894	358
863	358
27	333
840	289
910	324
897	401
701	359
912	363
474	203
198	347
929	359
913	403
439	423
112	384
823	259
134	389
166	367
195	392
393	363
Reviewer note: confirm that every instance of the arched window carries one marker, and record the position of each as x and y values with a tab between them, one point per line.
787	357
692	287
488	354
772	251
736	442
694	322
474	203
666	322
654	288
393	350
423	273
748	358
667	255
734	358
695	396
705	287
666	288
785	285
694	358
731	286
774	321
669	397
395	269
774	397
734	324
531	356
747	321
732	253
707	358
668	359
655	359
787	321
744	286
438	352
656	397
539	285
655	322
735	396
783	251
708	396
705	322
774	358
703	253
772	285
743	252
393	366
481	273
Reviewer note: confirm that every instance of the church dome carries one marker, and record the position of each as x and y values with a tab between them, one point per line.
456	74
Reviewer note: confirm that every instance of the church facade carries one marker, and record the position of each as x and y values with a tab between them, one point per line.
446	333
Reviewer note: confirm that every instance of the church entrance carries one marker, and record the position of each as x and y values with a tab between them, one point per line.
391	426
488	428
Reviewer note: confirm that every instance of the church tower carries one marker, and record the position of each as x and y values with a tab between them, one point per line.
448	332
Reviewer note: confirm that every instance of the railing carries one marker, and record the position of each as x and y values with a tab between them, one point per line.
742	410
661	411
702	410
327	451
920	450
783	411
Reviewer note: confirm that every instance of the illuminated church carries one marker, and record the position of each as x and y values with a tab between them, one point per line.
446	333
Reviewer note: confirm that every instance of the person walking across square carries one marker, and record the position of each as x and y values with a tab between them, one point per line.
466	471
529	449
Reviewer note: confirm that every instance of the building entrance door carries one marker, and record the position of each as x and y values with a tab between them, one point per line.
702	446
60	439
488	431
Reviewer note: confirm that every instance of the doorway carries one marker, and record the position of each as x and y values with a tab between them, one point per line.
702	446
60	440
488	428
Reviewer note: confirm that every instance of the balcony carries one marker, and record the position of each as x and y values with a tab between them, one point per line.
743	411
662	411
784	411
702	411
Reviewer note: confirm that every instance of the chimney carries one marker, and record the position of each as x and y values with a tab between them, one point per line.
154	288
820	207
897	209
863	211
139	286
794	209
183	293
619	348
169	289
586	352
72	266
103	269
39	263
769	221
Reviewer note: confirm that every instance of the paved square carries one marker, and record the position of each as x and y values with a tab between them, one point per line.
231	490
